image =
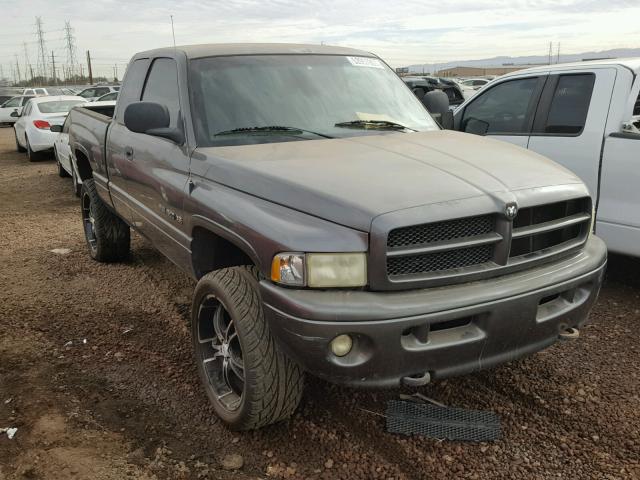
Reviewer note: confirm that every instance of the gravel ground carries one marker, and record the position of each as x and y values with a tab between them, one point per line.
96	374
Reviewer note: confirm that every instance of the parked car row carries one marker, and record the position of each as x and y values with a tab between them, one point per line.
15	104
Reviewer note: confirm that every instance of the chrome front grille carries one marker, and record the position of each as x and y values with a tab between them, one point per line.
485	243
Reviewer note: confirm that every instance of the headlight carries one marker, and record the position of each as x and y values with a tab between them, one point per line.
320	270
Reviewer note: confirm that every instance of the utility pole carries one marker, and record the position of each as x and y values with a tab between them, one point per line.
42	50
558	57
53	68
89	67
550	50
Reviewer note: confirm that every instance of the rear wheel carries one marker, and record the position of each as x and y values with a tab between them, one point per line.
107	236
248	379
61	171
19	147
31	155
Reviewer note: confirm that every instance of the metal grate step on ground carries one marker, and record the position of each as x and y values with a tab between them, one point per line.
411	418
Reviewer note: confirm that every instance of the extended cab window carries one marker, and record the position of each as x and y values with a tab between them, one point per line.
503	109
162	87
570	104
132	86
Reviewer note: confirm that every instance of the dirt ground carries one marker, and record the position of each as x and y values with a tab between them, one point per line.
96	373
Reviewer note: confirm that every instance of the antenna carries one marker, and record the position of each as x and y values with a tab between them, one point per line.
173	32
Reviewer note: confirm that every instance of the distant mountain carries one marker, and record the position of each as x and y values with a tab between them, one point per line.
526	60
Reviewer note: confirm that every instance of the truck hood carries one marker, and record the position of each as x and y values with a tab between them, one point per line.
351	181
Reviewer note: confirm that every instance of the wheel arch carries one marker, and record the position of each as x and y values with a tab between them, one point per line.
213	247
82	164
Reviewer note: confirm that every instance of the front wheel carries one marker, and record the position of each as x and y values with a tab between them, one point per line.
107	236
248	379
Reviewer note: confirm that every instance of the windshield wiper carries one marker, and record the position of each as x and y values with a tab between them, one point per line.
374	124
268	129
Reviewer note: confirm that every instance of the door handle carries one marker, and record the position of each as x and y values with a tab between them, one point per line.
128	153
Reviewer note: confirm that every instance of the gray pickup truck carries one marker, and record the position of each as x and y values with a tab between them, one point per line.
333	227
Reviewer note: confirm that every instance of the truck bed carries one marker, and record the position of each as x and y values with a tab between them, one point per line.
87	136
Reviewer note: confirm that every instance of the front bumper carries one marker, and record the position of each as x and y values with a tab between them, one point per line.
442	331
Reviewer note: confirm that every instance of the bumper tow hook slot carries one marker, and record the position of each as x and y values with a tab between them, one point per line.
417	380
570	333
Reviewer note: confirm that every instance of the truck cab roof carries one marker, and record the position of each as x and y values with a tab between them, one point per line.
632	64
224	49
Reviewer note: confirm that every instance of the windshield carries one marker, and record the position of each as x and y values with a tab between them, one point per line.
317	94
62	106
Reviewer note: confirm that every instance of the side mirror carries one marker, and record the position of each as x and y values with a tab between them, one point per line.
153	119
437	103
14	114
56	128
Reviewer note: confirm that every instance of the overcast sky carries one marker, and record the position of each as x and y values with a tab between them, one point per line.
401	31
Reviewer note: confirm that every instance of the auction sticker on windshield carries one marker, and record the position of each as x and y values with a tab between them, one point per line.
365	62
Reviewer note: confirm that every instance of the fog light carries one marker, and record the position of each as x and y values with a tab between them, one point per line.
341	345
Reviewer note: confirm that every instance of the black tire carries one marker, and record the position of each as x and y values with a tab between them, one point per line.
77	188
108	236
273	384
19	148
62	173
31	155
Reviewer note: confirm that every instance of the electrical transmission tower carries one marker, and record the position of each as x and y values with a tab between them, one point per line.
42	50
27	64
71	49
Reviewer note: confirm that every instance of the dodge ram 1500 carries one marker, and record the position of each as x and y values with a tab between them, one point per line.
332	226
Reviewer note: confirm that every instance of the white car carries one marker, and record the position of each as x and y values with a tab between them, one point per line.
33	128
14	104
109	97
92	93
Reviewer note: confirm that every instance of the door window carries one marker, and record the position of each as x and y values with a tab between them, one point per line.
570	104
41	91
65	125
162	87
14	102
25	100
101	91
503	109
131	86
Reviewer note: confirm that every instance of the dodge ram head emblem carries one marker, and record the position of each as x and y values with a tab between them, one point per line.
511	210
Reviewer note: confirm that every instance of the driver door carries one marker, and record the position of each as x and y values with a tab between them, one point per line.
504	111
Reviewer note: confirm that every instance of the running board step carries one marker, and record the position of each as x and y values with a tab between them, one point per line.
411	418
